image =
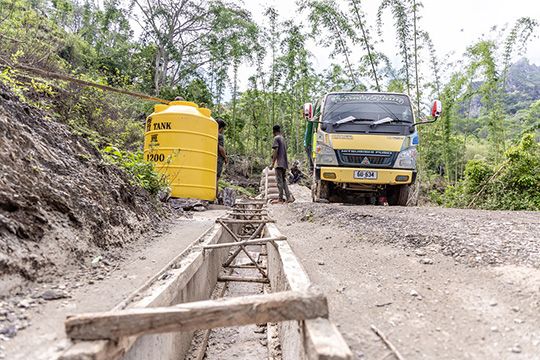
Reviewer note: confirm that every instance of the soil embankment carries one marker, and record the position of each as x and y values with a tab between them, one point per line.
59	201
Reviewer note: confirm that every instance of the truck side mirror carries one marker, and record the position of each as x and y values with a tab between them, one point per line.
436	108
435	111
308	111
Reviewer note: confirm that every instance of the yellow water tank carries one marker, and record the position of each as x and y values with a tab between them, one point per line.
181	139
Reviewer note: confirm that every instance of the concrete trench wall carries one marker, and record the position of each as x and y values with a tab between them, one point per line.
309	339
196	281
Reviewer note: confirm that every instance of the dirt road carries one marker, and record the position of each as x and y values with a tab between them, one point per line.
439	283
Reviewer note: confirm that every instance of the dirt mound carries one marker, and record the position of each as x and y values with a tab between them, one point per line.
59	201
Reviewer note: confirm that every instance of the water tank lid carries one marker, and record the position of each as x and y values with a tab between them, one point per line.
184	103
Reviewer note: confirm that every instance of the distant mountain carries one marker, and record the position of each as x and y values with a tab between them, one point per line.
524	78
522	88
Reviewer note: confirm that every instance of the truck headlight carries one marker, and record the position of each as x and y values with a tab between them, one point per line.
406	158
325	155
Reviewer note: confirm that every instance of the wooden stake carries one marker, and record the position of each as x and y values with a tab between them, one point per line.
233	256
387	342
235	237
283	306
202	349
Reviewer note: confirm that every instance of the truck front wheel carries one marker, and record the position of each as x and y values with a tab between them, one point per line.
320	191
398	195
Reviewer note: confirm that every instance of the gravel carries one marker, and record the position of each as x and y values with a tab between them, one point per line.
473	237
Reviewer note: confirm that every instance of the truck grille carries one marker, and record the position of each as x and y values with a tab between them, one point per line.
366	158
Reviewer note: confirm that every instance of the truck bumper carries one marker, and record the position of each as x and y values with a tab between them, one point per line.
384	176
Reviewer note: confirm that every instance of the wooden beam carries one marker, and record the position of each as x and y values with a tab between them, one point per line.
284	306
51	75
248	213
236	221
245	267
245	242
242	279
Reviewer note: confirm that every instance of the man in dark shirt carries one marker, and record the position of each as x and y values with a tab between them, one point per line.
222	157
296	173
279	161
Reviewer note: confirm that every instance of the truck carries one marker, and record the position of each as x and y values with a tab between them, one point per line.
362	146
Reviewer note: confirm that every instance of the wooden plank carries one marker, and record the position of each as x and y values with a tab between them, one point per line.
244	267
247	213
236	221
245	242
324	342
290	305
242	279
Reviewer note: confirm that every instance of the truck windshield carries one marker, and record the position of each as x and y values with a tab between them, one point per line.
365	107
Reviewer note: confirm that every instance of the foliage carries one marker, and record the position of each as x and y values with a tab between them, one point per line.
514	185
142	172
198	49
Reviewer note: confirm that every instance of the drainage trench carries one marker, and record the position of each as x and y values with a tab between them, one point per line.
237	292
244	273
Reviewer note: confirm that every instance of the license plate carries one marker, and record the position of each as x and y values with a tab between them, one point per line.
363	174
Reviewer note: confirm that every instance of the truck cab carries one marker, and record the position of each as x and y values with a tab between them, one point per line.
363	144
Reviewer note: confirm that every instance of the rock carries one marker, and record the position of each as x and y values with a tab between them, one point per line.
518	321
516	349
494	329
9	330
414	293
321	262
53	295
227	197
427	261
164	195
260	330
186	204
420	252
24	303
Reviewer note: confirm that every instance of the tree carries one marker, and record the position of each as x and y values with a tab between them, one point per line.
326	14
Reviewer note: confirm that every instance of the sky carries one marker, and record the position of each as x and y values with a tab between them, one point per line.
452	25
